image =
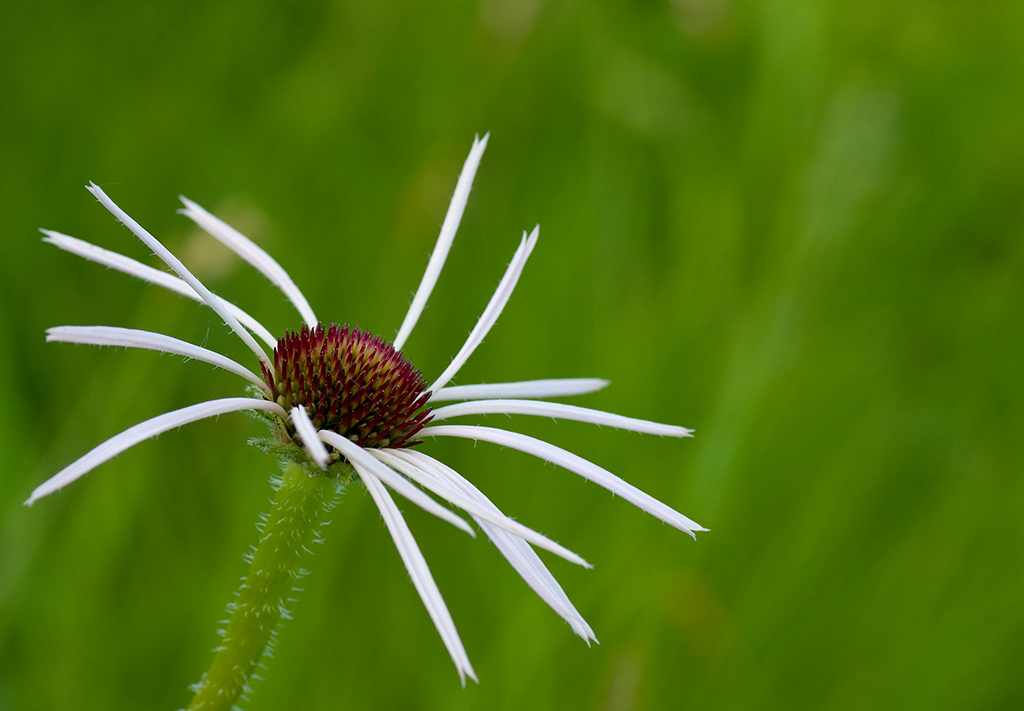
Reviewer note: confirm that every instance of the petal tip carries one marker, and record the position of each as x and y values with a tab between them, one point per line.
695	530
190	208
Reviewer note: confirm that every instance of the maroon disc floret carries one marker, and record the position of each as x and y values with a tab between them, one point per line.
351	382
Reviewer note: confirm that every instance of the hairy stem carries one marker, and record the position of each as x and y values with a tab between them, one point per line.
303	498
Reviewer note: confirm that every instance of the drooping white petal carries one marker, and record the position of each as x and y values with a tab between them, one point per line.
443	488
444	240
129	266
525	561
357	455
557	410
416	564
493	310
145	430
573	463
148	340
178	268
518	552
252	253
555	387
310	437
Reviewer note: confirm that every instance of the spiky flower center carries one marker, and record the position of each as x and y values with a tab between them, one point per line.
351	382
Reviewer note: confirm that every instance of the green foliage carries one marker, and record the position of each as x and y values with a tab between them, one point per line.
795	227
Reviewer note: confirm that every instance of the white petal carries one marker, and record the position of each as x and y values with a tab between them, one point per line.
493	310
557	410
525	561
444	240
145	430
428	479
252	253
357	455
138	270
419	572
178	268
567	460
310	437
518	552
134	338
556	387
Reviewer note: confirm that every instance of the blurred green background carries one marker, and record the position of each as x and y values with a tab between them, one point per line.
795	227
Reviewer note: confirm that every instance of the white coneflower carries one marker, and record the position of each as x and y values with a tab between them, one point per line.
343	402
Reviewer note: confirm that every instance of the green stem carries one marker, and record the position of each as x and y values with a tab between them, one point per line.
303	497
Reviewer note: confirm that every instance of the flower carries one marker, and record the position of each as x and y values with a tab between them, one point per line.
336	394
